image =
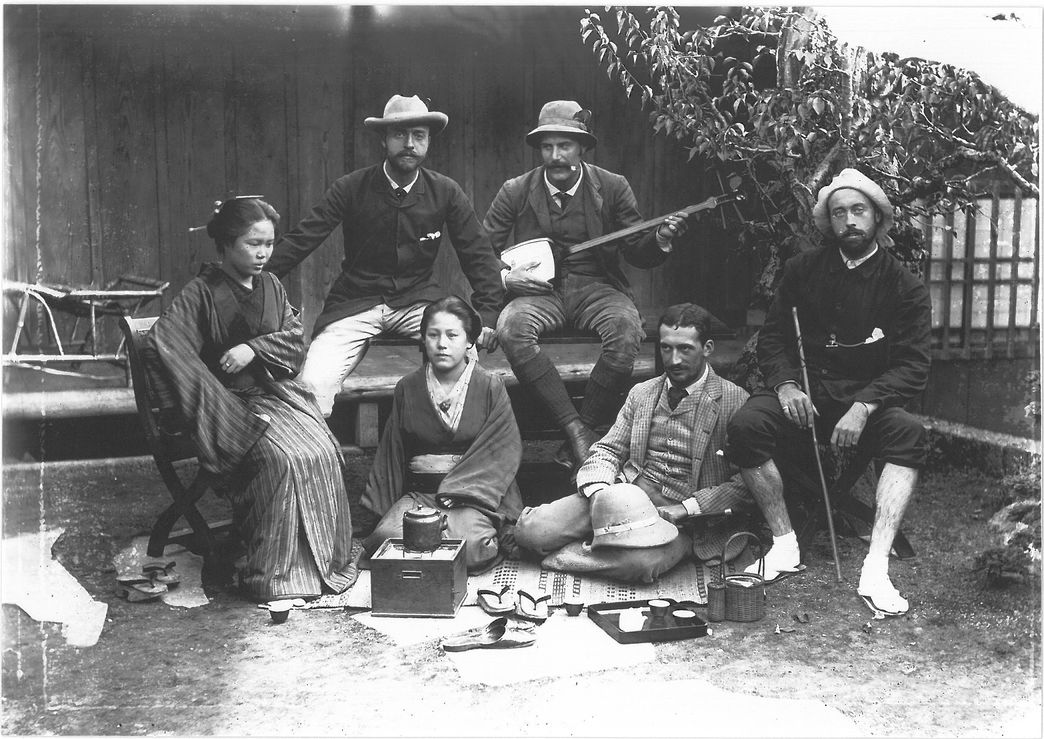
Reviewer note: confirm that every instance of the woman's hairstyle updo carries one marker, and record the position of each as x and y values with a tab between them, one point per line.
457	307
234	217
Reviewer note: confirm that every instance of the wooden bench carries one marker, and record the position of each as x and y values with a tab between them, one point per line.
375	378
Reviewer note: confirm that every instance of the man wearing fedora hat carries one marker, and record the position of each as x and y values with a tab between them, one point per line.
393	216
866	330
664	444
570	201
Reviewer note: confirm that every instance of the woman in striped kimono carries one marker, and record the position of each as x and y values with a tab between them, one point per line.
451	443
228	349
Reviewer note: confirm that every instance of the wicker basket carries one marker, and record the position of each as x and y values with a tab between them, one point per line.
740	596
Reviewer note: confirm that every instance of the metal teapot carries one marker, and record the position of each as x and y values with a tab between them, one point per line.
422	529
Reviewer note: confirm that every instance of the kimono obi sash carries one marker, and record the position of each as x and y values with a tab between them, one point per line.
426	472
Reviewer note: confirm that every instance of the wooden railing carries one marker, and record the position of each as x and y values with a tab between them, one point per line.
983	273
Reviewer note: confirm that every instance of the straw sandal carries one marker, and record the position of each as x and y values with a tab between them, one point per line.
497	634
139	589
162	573
881	597
494	603
530	608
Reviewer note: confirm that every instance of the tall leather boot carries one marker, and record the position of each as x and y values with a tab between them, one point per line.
579	439
602	394
541	376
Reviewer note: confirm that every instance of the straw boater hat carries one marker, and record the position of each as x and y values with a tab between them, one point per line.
563	116
403	111
623	516
854	180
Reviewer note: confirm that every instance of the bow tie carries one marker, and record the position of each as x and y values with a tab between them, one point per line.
675	395
399	193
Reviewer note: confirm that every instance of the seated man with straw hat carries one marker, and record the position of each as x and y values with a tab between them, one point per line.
656	471
866	331
393	216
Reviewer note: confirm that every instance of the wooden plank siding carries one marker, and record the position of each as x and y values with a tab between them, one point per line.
984	280
144	115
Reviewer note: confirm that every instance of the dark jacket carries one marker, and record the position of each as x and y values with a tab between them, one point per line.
390	246
520	212
838	306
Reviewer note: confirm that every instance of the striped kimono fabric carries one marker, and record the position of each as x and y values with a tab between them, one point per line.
262	430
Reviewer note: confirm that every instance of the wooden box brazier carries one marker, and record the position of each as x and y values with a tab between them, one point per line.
405	583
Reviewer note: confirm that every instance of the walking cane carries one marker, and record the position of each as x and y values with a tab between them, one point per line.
815	448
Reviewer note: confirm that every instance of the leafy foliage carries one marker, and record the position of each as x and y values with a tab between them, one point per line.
773	104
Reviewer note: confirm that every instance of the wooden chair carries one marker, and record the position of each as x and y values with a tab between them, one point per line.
170	443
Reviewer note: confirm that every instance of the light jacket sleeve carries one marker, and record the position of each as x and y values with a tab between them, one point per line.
609	454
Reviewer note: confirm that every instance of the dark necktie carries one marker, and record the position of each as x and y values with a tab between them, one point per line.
563	199
400	194
675	396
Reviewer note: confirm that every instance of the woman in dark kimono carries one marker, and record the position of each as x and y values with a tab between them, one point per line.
451	443
228	348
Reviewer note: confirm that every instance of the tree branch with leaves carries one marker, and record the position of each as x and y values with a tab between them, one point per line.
772	103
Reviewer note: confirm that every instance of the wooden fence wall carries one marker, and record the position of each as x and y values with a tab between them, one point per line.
984	277
124	123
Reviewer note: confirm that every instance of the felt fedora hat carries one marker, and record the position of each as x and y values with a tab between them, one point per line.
852	179
404	111
565	117
623	516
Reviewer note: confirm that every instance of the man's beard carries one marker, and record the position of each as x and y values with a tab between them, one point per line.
405	167
852	248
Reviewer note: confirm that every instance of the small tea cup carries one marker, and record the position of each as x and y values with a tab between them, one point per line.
279	610
684	617
573	605
658	607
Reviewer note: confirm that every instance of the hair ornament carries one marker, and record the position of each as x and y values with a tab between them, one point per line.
219	204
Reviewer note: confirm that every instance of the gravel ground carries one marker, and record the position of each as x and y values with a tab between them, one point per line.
966	661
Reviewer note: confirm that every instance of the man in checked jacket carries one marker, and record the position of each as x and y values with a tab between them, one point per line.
666	440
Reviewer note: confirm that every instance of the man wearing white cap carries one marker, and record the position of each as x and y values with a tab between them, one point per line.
866	330
393	216
570	201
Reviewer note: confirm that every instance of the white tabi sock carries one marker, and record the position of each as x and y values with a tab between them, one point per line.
786	542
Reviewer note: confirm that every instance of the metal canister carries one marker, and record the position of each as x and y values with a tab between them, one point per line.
422	529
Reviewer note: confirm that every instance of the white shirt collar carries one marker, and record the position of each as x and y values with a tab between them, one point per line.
696	386
395	185
853	263
552	190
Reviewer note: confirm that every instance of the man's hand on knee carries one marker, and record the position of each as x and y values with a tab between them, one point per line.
797	406
849	429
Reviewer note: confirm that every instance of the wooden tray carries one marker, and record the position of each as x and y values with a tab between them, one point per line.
607	616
